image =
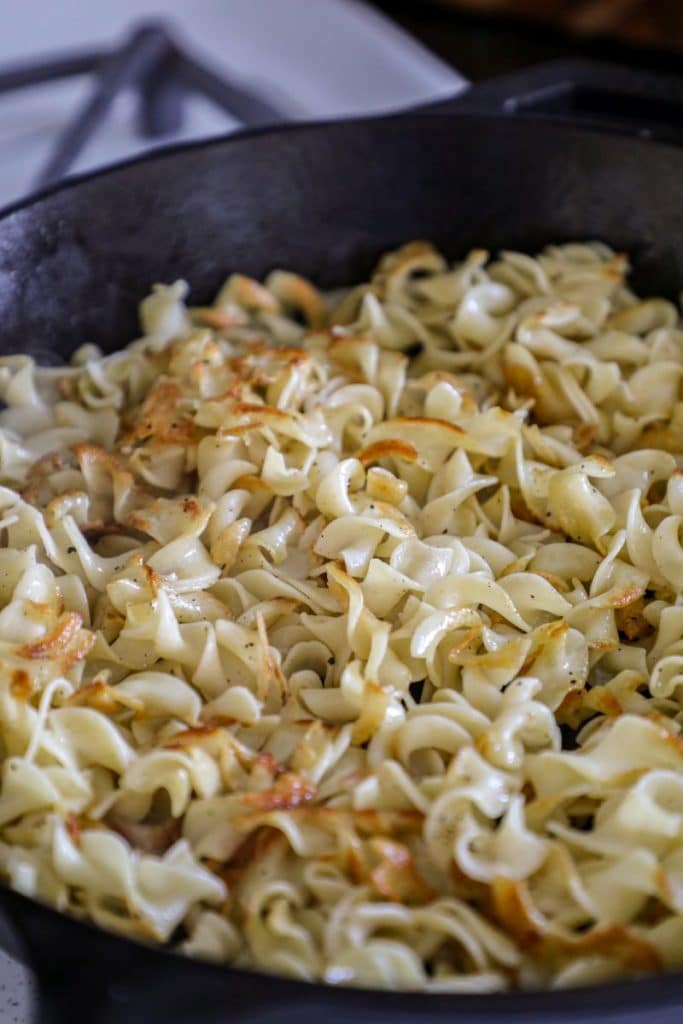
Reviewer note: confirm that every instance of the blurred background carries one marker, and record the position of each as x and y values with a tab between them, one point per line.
83	84
296	58
487	37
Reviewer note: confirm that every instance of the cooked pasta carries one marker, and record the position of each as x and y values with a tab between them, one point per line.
342	635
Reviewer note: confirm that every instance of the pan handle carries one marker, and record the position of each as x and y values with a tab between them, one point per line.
619	99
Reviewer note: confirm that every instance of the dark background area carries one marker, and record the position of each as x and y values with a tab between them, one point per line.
482	45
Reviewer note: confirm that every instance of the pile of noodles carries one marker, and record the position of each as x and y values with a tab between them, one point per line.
342	636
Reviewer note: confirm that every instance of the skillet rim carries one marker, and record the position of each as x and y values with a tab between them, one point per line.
654	992
661	991
410	116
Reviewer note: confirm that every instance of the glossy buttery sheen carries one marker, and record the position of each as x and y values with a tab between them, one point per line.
340	636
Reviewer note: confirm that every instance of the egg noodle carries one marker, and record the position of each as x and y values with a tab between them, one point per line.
341	636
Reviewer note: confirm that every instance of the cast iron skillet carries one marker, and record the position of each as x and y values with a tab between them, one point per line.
326	200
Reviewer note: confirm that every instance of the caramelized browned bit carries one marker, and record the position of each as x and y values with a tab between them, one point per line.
289	790
579	705
631	622
396	876
164	418
56	641
21	686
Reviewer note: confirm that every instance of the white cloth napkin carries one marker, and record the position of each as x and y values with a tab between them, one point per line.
313	58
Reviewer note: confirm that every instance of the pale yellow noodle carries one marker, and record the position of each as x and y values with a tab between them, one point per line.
343	637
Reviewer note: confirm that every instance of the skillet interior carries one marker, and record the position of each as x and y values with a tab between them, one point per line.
325	201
